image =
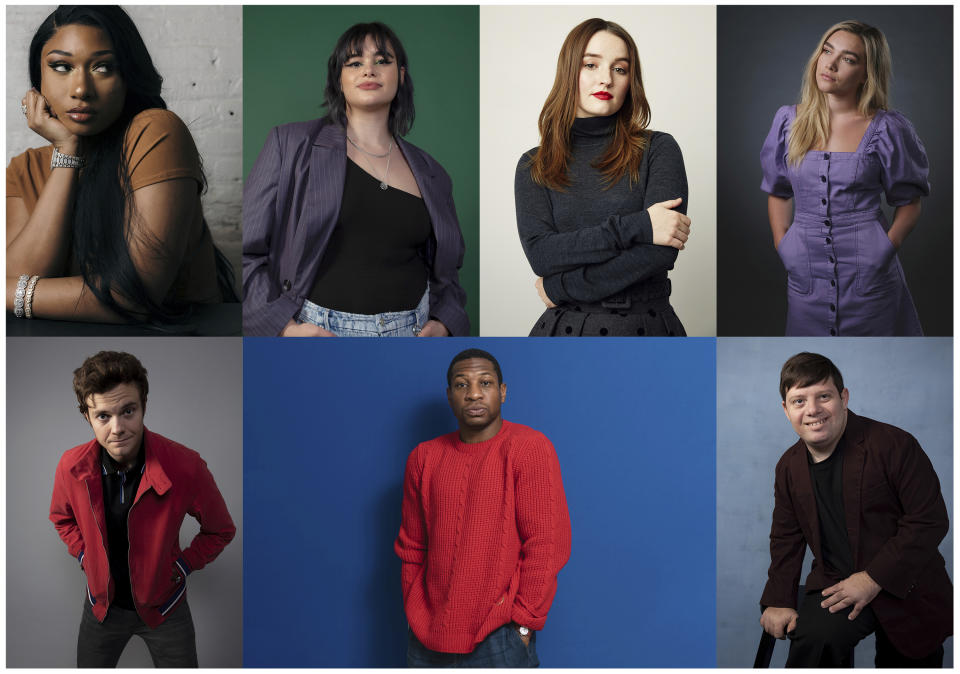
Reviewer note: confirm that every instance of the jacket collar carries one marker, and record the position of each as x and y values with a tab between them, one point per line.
87	464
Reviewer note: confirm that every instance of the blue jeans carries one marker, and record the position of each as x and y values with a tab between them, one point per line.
173	643
388	324
502	648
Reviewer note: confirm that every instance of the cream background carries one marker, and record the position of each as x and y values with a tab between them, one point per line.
518	58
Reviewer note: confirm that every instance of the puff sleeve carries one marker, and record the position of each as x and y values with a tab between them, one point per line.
903	161
773	156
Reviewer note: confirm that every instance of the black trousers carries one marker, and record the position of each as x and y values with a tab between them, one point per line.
172	644
824	639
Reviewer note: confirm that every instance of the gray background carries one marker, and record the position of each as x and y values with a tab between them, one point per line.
761	54
195	399
904	382
197	50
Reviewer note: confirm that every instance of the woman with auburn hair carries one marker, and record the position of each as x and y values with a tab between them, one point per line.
349	230
601	202
105	224
834	153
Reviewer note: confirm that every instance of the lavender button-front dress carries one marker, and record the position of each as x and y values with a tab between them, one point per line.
843	275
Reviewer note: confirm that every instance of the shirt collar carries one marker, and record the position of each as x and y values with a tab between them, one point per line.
109	466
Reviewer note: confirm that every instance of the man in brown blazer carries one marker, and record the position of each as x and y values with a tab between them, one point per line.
865	498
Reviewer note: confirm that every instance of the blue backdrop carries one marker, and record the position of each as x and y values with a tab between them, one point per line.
328	425
901	381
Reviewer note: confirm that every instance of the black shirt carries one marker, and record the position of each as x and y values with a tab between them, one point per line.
375	260
827	480
119	491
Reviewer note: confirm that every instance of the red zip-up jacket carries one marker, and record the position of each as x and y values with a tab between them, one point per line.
175	482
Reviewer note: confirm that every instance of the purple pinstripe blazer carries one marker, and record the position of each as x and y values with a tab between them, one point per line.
291	204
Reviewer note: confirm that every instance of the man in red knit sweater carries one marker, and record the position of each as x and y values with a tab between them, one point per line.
484	530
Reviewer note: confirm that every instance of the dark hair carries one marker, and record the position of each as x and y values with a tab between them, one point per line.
349	45
474	353
805	369
105	370
103	211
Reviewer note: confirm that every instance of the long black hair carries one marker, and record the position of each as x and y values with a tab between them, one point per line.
349	45
103	211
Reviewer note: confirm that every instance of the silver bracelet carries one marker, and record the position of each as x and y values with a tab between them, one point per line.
28	297
60	160
18	297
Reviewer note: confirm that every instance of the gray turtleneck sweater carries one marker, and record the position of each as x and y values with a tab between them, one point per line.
589	243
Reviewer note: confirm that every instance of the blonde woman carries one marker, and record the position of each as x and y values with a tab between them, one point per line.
833	154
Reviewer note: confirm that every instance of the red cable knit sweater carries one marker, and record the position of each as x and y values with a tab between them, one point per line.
484	532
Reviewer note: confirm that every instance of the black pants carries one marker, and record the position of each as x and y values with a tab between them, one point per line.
172	644
824	639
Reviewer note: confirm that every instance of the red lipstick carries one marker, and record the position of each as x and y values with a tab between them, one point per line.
602	95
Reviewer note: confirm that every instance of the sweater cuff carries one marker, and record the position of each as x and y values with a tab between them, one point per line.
522	617
553	287
636	228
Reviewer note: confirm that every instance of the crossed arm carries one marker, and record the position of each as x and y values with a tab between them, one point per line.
594	262
38	244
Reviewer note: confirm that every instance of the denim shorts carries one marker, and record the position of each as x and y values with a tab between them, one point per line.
388	324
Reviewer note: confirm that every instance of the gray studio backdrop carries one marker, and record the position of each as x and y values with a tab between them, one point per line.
195	399
197	50
761	54
904	382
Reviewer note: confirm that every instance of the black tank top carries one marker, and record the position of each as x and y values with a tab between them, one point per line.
375	259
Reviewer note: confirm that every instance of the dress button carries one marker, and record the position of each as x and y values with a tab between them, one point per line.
823	179
829	239
286	285
823	201
830	258
833	333
833	284
826	155
827	223
833	307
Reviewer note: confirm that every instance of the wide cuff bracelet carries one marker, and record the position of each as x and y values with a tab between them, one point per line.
18	297
60	160
28	297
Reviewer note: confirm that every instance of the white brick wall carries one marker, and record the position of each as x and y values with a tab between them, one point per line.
198	51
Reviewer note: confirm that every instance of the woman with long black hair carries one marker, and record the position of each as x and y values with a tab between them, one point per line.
105	224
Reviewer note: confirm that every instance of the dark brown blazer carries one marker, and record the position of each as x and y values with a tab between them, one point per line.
896	518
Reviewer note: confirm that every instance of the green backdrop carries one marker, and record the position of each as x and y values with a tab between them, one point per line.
285	52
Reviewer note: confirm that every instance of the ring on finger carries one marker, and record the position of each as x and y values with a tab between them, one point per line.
23	109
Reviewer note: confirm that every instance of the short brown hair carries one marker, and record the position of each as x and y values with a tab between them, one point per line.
805	369
105	370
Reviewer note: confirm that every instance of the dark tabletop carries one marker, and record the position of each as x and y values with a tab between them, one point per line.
212	320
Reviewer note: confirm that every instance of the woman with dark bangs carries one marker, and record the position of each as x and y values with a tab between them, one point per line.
601	203
348	229
105	224
826	161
